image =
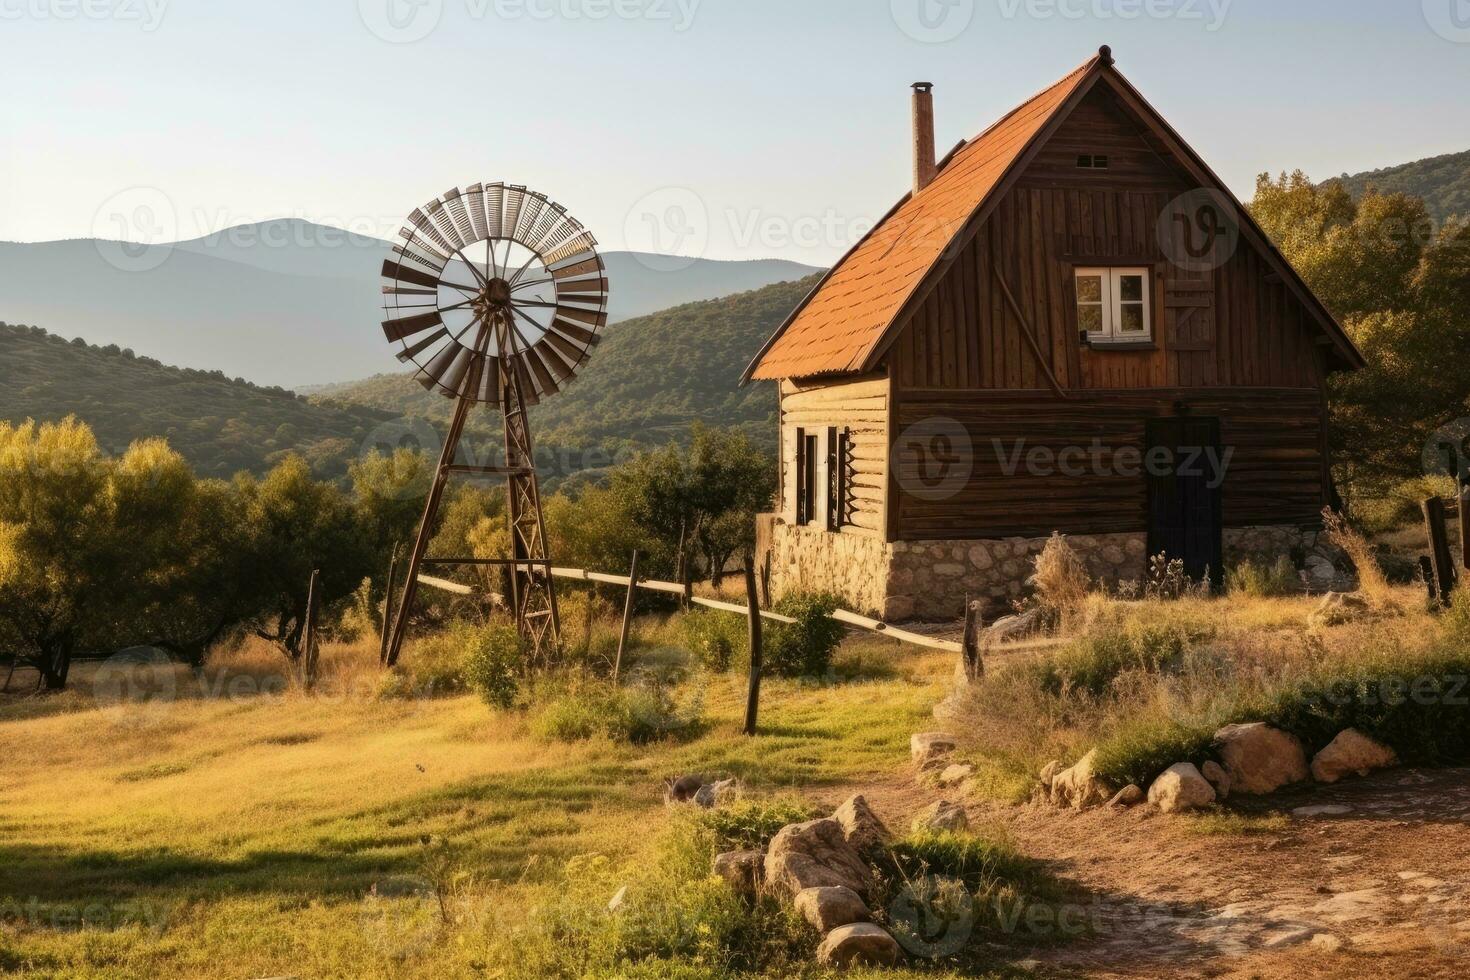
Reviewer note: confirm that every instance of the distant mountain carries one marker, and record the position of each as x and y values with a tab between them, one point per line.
222	426
282	302
1443	182
646	383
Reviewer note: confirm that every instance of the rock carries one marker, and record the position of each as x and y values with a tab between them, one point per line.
861	944
1049	772
1011	628
831	908
861	826
930	748
682	790
1351	752
744	870
619	897
954	775
1127	796
1218	777
1323	810
1180	788
711	795
1260	759
1337	608
943	816
1078	787
897	608
815	854
1321	572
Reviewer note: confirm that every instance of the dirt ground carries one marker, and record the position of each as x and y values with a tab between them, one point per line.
1369	878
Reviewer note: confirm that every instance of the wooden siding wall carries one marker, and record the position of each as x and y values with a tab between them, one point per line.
862	407
1274	473
1228	327
1229	342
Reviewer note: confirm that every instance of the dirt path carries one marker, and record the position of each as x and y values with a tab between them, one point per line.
1370	878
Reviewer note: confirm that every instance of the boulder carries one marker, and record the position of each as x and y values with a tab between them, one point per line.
1218	777
1049	772
711	795
1351	752
955	774
1260	759
744	870
943	816
861	826
930	748
1337	608
1079	787
831	908
815	854
682	789
860	944
1181	787
1128	796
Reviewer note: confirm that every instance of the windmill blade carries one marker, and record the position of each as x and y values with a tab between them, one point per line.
407	326
494	210
575	331
592	287
578	270
553	361
490	382
594	319
402	273
515	196
408	291
528	387
530	211
581	242
552	218
475	202
419	255
426	228
572	352
455	202
411	353
439	214
543	374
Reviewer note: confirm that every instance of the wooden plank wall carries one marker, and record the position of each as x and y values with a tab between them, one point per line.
862	407
1273	477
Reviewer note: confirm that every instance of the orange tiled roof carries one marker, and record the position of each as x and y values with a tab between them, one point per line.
849	313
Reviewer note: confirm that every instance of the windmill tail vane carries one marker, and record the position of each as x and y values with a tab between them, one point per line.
496	296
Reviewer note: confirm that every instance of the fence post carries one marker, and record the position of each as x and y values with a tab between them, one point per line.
1426	571
1439	548
766	580
309	632
627	618
1465	526
974	665
388	607
753	697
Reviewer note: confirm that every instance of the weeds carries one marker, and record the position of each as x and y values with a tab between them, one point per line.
1261	581
1371	580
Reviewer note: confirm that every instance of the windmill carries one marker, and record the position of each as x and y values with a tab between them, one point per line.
497	296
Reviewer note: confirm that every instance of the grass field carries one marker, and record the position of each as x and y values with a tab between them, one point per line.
279	834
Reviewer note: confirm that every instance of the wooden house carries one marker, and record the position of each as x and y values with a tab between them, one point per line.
1068	325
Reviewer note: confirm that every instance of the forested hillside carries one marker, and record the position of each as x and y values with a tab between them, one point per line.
220	425
647	382
1443	182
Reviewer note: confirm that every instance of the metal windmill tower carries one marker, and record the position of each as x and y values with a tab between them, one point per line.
497	295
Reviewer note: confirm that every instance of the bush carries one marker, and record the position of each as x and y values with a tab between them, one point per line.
1371	580
803	648
1263	581
1061	578
1091	663
718	640
640	714
493	660
749	824
1142	748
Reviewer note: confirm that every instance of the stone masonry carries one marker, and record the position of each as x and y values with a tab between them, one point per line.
931	579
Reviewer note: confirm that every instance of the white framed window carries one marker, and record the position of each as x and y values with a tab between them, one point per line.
1113	305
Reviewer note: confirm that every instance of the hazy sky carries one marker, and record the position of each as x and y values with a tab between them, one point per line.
728	128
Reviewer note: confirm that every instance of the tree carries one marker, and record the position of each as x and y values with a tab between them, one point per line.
1401	289
55	542
294	524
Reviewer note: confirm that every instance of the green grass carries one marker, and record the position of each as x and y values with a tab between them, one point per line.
292	835
1227	823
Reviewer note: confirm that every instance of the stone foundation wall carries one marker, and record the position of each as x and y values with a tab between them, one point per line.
853	566
1266	544
931	579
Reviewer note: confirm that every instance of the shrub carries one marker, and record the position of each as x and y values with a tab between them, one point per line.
638	714
966	857
1091	663
1143	747
1061	578
749	824
1263	581
803	648
717	639
493	660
